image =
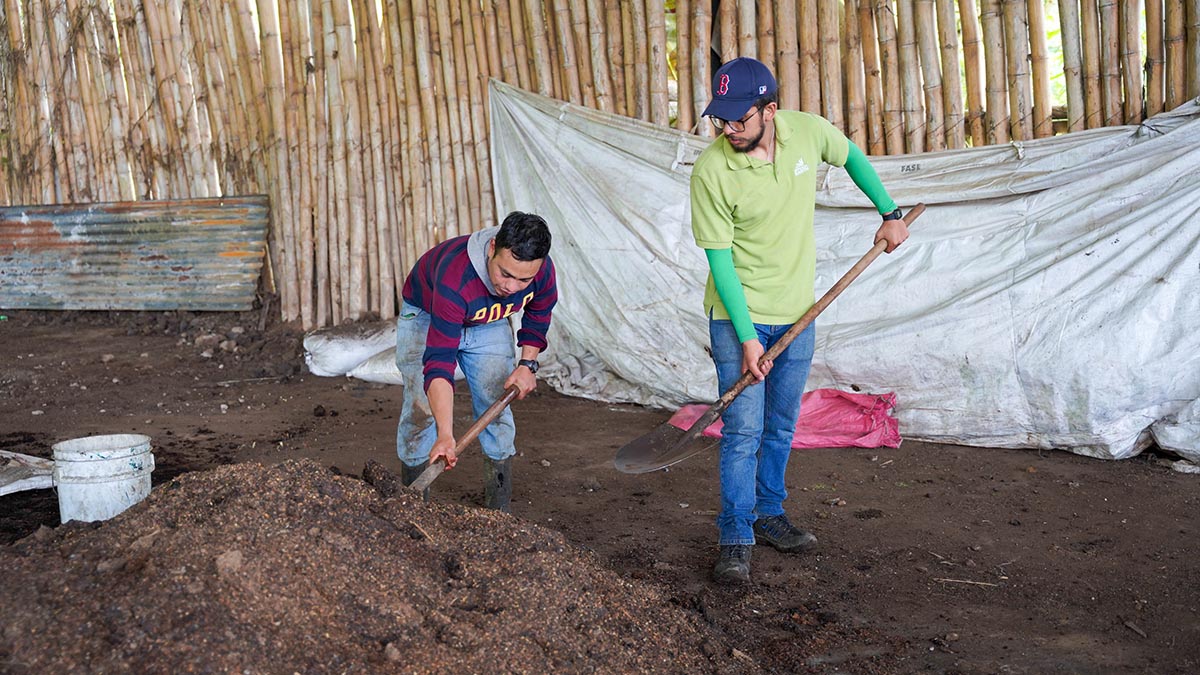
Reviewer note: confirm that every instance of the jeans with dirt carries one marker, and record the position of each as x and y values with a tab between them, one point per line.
486	356
756	440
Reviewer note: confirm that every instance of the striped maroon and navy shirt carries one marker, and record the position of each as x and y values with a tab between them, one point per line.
445	284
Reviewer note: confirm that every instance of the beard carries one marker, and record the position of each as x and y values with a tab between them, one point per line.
748	144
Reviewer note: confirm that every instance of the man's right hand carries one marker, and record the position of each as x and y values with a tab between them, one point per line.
444	448
752	351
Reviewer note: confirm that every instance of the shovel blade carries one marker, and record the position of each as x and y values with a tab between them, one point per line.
661	448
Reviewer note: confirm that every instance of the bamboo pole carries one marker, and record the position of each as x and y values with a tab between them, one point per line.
378	124
601	81
971	67
476	90
1154	57
931	75
893	125
492	25
629	48
306	221
217	95
1131	60
458	202
1090	32
765	20
442	210
287	279
810	58
540	48
174	80
244	132
747	30
292	101
701	47
727	15
618	55
508	59
660	101
557	81
951	82
856	93
831	62
473	9
1068	12
251	61
520	49
566	45
196	98
1193	48
788	57
1176	49
319	160
874	86
585	53
685	120
417	162
1110	63
1016	38
32	155
403	182
912	97
641	60
997	115
79	84
71	111
1040	64
49	110
460	102
112	86
339	235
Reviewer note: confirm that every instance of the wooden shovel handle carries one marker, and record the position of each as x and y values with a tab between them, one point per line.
776	349
436	468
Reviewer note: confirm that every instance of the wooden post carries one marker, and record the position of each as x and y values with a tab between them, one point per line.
359	287
583	51
1154	57
504	29
1068	14
458	201
516	17
1110	63
951	84
566	45
765	19
870	45
893	115
831	62
540	47
685	119
788	57
701	78
996	125
1016	39
381	126
1131	60
727	15
912	98
618	56
1176	48
856	92
1090	34
971	66
297	146
1193	48
810	58
111	82
1040	62
641	60
476	87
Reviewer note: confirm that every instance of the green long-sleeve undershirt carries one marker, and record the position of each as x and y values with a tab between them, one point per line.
720	261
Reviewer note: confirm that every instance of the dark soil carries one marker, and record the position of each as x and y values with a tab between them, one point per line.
262	549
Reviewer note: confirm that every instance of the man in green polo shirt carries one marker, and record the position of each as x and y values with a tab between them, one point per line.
753	193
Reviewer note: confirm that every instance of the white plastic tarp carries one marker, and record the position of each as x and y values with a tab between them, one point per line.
1048	298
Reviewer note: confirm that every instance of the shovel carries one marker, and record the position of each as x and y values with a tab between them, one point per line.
435	469
669	445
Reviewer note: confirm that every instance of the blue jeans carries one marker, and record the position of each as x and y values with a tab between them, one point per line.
759	424
486	356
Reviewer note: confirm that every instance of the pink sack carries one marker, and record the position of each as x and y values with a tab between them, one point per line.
828	419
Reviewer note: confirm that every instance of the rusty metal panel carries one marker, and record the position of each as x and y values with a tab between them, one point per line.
193	254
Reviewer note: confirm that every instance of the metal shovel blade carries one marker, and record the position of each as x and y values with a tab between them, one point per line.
667	445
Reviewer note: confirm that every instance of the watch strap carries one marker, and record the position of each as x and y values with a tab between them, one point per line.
531	364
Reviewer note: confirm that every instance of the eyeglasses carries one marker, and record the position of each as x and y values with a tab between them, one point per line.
736	126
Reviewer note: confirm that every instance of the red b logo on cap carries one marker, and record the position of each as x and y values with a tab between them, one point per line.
723	85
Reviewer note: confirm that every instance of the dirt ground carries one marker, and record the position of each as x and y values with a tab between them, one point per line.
932	558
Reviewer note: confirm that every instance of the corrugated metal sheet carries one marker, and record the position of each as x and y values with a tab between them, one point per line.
193	254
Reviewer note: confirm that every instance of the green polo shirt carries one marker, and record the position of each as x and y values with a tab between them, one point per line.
764	212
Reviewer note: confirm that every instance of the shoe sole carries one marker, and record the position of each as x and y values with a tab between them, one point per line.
731	578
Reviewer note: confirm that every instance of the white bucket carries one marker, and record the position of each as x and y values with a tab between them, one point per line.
101	476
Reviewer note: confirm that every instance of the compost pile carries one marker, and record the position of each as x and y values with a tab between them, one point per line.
294	568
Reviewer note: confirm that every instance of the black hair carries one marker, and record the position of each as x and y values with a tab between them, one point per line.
525	235
766	99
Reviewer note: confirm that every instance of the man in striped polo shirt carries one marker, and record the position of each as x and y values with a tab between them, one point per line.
457	300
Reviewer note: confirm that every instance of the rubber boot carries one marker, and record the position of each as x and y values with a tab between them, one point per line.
408	474
497	484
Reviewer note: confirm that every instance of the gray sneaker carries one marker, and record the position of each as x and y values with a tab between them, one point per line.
781	534
734	564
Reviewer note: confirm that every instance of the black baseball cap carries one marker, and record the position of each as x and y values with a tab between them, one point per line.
737	85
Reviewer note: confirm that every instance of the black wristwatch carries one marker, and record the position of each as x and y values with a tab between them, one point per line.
894	215
531	364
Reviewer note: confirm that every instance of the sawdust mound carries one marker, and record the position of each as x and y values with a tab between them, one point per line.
295	569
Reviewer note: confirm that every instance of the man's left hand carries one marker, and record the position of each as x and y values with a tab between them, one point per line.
894	232
525	381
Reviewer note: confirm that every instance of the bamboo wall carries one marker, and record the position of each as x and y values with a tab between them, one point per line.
365	121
